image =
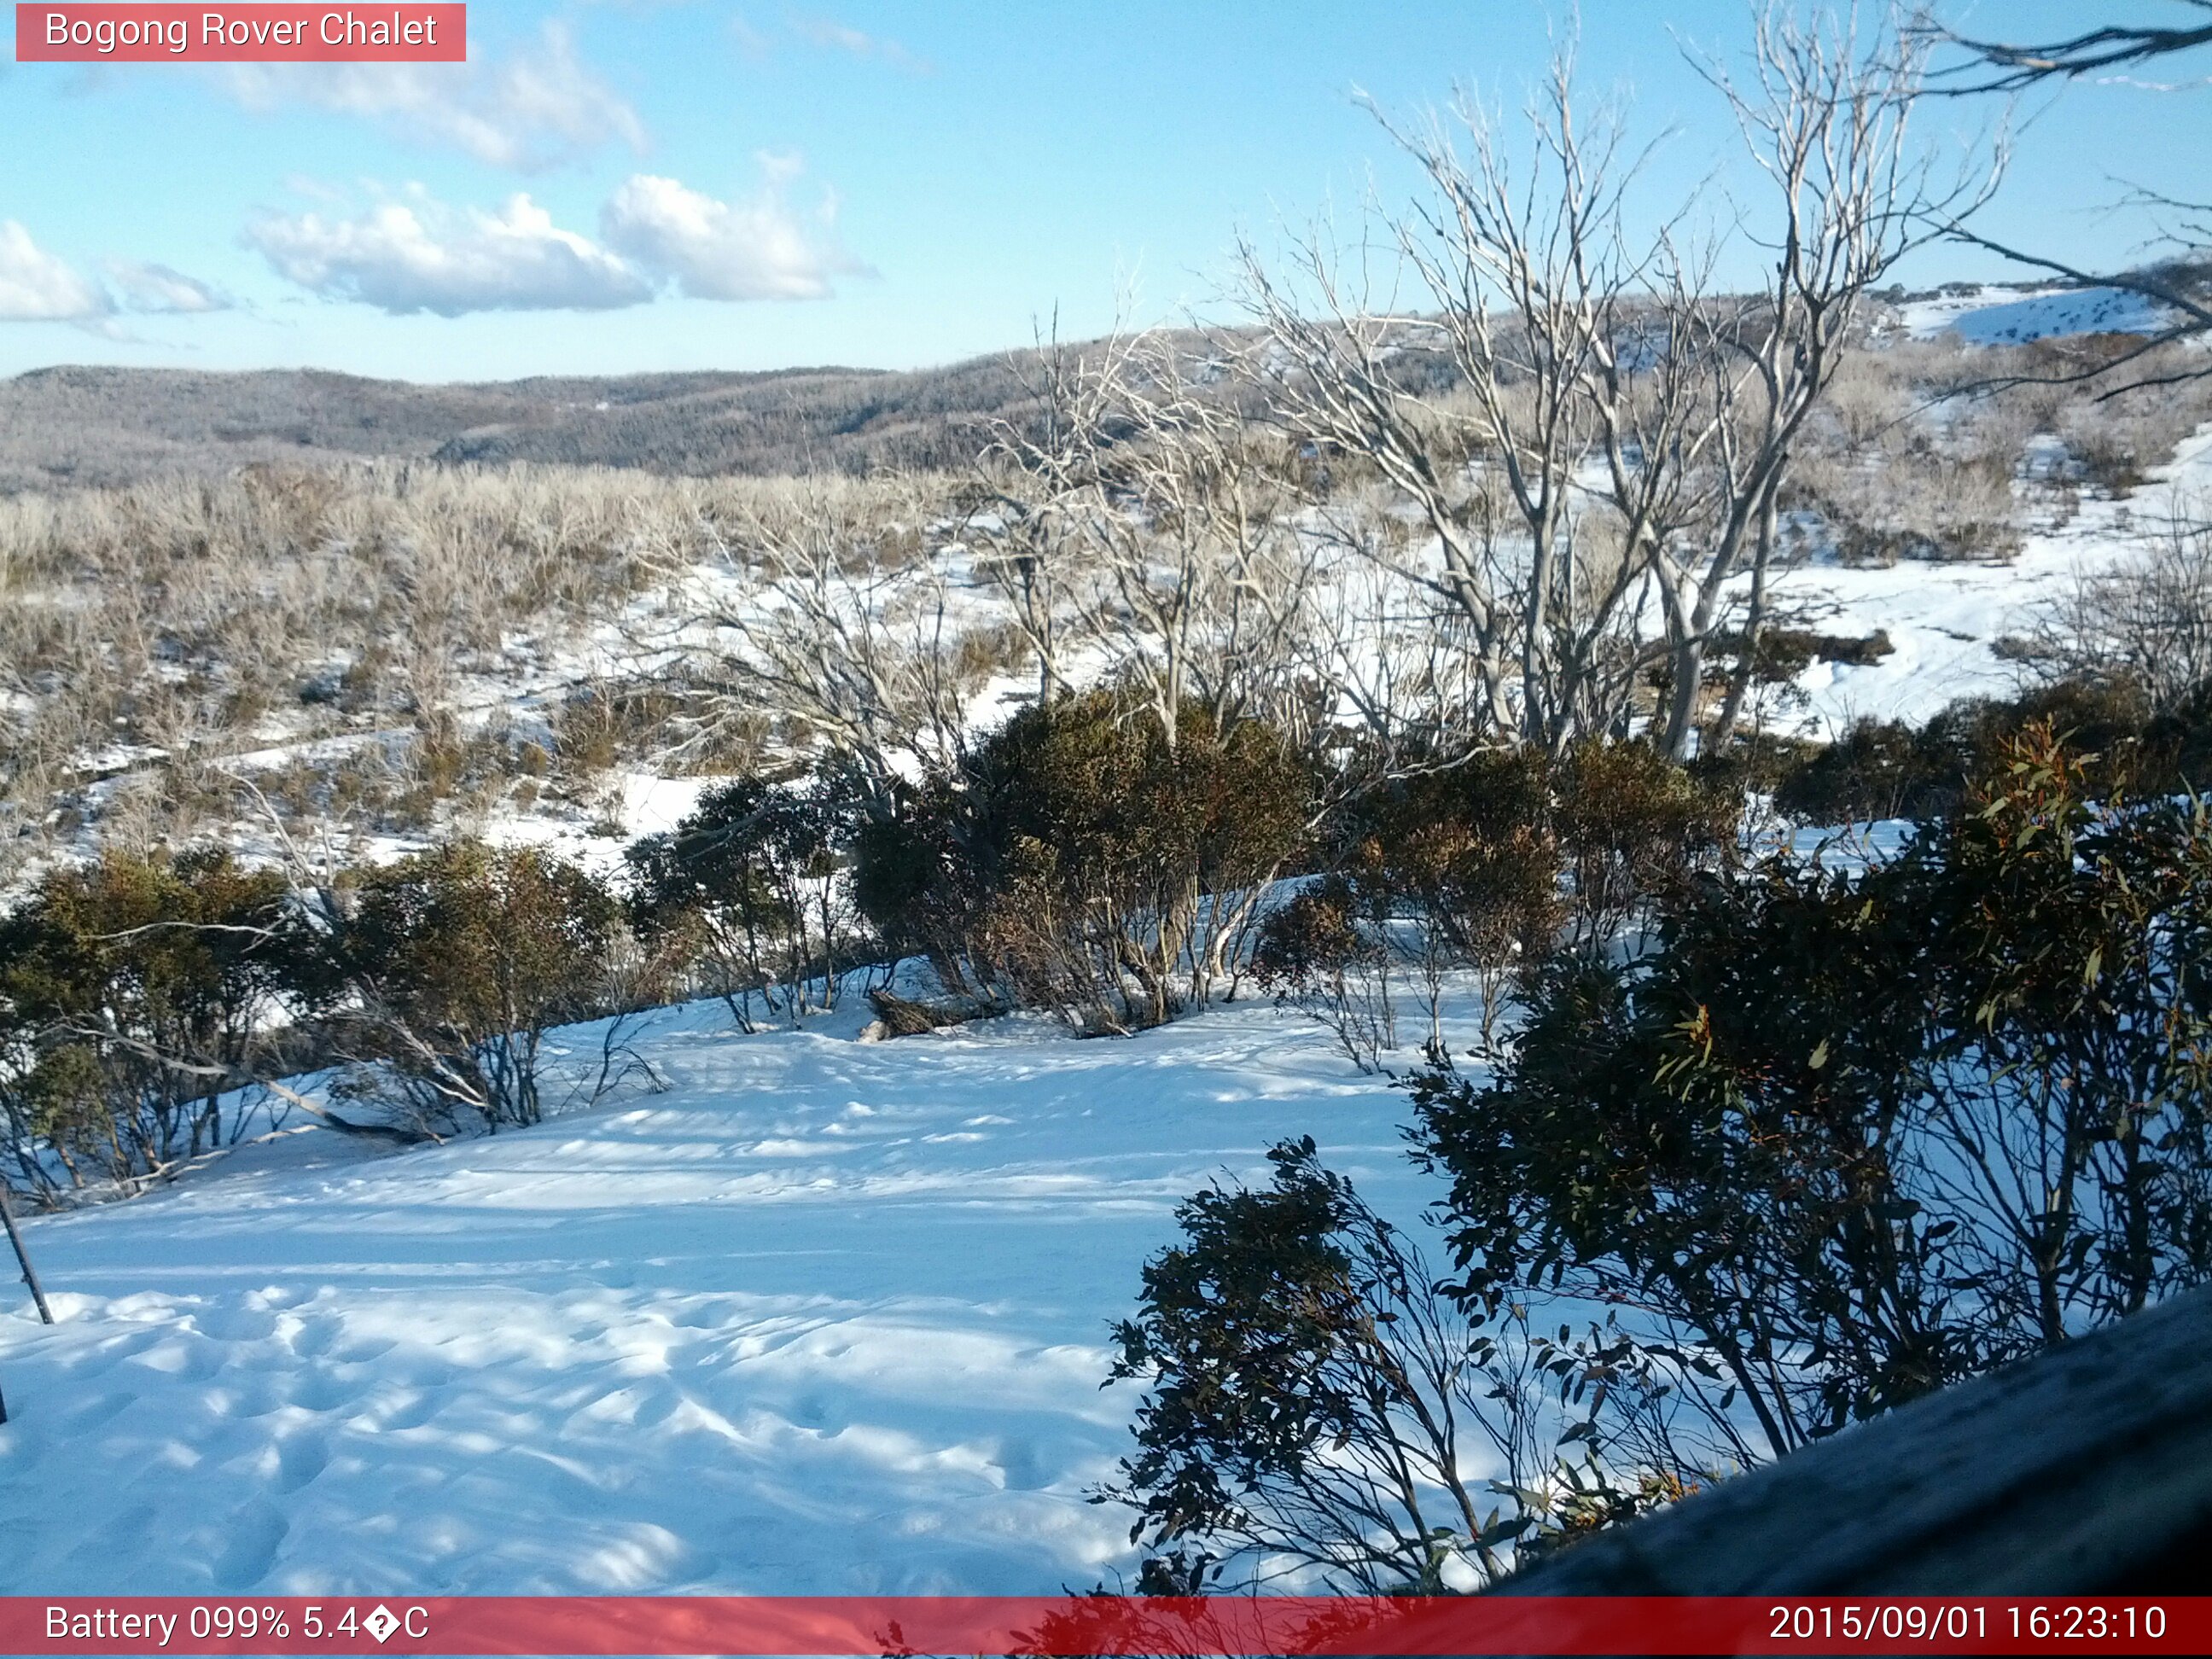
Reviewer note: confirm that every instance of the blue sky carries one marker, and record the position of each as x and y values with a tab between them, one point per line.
657	184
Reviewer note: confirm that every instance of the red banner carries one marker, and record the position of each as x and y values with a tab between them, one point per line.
1220	1625
241	34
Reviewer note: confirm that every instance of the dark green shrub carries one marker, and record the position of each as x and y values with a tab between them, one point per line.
1635	829
1482	864
1843	1138
441	976
914	884
1469	856
1311	1401
1081	863
1754	763
1320	954
136	994
1784	654
1886	769
1877	769
754	880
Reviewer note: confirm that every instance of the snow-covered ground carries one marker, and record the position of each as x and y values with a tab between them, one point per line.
1945	618
2011	316
822	1316
825	1316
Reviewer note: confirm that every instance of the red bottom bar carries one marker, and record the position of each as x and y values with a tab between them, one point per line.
1232	1627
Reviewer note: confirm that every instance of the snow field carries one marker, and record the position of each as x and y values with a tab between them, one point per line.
1945	618
1992	315
824	1317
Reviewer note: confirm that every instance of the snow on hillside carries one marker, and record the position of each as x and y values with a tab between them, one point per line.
1943	618
638	804
824	1317
2004	316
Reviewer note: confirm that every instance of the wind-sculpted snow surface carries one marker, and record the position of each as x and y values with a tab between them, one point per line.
822	1317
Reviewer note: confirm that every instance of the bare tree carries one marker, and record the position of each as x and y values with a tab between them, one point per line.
1398	668
1827	115
2146	622
1025	526
1206	574
1159	522
1525	285
1584	426
843	624
2180	286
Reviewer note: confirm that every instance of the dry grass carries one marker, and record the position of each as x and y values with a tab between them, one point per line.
401	644
174	630
1932	449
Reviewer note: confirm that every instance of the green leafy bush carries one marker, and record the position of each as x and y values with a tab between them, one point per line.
753	881
134	994
1311	1402
1318	953
1080	862
442	974
1636	830
1842	1139
1888	770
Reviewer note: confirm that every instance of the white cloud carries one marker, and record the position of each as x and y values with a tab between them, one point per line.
780	167
306	185
711	250
36	286
158	288
526	112
417	256
829	33
412	253
751	41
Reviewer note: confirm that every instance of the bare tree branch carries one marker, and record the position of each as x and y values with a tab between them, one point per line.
2019	66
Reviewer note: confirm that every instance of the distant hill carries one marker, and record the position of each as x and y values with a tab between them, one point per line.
78	426
65	426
